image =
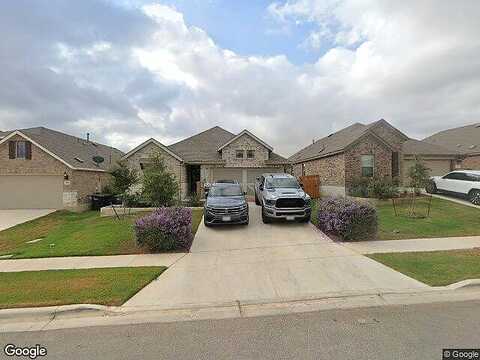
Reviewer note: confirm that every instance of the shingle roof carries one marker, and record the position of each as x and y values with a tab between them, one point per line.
331	144
418	147
70	148
464	139
203	147
337	142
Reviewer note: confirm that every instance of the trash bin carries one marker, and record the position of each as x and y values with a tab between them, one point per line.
101	200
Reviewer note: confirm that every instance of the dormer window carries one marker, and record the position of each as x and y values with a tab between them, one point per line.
239	154
250	154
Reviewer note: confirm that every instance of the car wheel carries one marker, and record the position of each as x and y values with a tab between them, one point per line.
431	188
265	219
206	223
475	197
257	202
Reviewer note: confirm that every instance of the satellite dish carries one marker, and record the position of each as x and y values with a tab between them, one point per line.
98	160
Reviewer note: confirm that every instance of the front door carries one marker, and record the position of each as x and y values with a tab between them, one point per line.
193	175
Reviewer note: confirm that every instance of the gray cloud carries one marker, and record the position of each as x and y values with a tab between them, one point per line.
128	73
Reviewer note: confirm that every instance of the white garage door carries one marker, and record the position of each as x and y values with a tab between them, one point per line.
31	192
227	174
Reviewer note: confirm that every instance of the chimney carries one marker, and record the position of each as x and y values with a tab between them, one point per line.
88	137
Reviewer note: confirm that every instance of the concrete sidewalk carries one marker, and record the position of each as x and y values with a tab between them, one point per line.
414	245
88	262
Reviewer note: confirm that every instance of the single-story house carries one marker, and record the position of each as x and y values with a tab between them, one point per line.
44	168
212	155
465	140
377	149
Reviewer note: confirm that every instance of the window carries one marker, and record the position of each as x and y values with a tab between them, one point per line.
303	169
456	176
473	177
20	150
250	154
395	164
367	165
239	154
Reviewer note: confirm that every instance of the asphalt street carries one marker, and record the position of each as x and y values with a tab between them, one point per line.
389	332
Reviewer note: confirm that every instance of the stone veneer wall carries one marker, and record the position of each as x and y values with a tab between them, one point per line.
245	142
173	165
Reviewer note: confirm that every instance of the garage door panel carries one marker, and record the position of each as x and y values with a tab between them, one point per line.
31	192
227	174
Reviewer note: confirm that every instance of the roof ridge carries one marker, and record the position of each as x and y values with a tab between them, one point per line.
200	133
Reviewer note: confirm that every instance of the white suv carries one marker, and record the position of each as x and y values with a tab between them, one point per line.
460	182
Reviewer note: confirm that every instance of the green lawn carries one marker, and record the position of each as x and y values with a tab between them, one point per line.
436	268
446	219
75	234
109	286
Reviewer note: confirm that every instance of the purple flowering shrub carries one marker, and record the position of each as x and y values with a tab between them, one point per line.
167	228
350	220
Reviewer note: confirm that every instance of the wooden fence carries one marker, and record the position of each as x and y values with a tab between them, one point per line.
311	185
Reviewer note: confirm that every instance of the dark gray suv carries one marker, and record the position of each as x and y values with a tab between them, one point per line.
225	204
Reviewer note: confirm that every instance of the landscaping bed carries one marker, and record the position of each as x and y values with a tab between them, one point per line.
435	268
75	234
106	286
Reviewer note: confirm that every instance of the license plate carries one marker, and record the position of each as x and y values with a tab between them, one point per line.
290	218
226	218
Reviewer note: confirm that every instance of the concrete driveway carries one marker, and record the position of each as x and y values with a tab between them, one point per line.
9	218
273	262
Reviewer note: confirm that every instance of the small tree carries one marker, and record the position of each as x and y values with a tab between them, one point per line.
419	176
160	187
123	178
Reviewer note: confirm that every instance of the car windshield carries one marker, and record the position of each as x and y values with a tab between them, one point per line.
281	183
231	190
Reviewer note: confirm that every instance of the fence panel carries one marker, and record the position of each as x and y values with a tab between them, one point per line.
311	185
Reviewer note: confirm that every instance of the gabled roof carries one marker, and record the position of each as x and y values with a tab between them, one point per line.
74	152
464	139
337	143
202	147
248	133
157	143
418	147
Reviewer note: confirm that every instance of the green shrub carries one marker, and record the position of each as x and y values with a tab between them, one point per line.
373	188
160	188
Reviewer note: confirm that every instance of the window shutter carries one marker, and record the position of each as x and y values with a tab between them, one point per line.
28	150
11	149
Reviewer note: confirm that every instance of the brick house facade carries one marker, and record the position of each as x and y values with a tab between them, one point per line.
337	158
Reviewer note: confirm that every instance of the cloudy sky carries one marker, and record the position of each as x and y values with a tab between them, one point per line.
289	71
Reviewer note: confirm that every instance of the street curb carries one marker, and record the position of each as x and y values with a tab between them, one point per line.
464	284
80	315
52	312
